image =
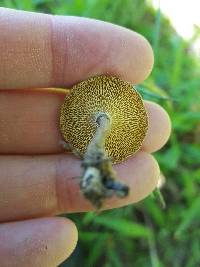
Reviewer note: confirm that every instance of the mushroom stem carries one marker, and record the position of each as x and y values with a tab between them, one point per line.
103	130
99	179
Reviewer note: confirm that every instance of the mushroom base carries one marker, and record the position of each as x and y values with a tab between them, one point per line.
98	180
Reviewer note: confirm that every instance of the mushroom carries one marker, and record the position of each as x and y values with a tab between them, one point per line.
103	120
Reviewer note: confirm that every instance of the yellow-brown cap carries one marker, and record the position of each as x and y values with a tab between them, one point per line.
120	101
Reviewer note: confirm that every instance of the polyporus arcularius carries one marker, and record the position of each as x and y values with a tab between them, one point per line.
103	119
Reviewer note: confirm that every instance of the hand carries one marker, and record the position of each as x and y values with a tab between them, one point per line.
38	51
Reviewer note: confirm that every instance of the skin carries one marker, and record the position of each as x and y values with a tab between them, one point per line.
36	178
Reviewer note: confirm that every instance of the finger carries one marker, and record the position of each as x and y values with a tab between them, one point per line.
30	123
159	127
47	185
37	242
39	50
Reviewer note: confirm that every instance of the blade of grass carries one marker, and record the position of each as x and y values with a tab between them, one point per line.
158	196
178	55
156	33
189	216
124	227
96	250
114	258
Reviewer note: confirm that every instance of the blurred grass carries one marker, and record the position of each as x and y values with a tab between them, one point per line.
143	235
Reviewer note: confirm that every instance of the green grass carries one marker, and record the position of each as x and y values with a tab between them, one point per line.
144	235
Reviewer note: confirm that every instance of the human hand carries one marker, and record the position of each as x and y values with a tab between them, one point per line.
40	51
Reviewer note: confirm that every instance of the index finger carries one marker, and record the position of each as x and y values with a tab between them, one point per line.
39	50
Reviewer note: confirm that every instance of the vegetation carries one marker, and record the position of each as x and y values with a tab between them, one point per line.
144	235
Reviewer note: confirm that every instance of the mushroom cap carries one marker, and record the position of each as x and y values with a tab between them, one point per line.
120	101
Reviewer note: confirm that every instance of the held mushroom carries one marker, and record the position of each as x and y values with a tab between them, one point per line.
103	120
